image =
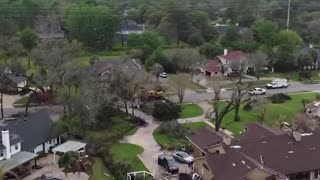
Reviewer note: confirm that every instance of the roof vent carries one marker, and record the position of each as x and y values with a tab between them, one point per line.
243	162
261	159
236	147
290	152
233	164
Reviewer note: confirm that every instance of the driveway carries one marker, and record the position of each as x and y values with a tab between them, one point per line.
8	100
144	138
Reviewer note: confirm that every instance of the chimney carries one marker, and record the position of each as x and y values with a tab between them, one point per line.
6	143
296	135
227	140
225	51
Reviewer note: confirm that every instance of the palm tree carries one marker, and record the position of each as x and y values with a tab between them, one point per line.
156	69
69	161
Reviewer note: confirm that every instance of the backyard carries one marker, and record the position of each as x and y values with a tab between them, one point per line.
167	141
274	113
128	153
100	171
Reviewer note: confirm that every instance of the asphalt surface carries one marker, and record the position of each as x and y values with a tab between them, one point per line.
205	96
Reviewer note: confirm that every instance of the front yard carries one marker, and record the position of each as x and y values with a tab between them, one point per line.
185	78
190	111
274	113
128	153
169	142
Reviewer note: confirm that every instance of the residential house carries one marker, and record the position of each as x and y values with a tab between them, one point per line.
226	63
23	138
130	27
11	82
307	49
4	69
257	153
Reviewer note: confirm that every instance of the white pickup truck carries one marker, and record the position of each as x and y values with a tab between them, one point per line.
279	83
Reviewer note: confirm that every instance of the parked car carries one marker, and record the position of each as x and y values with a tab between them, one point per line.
182	157
277	84
169	163
257	91
163	75
184	176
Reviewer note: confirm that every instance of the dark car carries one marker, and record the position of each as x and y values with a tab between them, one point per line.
169	163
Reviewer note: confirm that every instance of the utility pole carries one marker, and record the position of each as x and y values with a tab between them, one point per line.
288	18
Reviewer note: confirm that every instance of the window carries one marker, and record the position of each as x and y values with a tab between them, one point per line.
16	147
1	153
217	151
206	167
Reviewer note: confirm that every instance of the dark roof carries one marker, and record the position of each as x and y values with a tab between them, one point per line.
205	138
232	165
35	130
100	67
212	66
16	79
283	153
307	50
257	130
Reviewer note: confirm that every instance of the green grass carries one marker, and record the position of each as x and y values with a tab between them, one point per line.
99	170
168	142
21	102
85	60
274	113
190	110
131	131
294	75
174	78
127	153
120	125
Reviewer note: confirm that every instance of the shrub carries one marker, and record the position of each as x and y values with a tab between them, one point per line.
166	111
139	121
249	105
279	98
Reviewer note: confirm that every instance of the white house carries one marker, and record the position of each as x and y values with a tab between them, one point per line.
22	139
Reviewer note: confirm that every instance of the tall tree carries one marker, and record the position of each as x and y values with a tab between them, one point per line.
210	50
156	69
258	60
28	39
94	26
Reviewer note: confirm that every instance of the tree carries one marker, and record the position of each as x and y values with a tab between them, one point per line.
231	38
258	60
195	39
220	109
313	29
287	44
210	50
94	26
180	88
156	69
166	111
70	162
28	39
314	55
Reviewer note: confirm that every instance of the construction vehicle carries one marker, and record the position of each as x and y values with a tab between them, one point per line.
155	94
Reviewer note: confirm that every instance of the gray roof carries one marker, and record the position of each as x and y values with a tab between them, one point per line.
16	79
131	25
307	49
35	130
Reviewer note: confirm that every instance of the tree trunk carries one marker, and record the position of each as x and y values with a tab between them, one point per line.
76	88
6	60
126	106
2	114
28	104
29	63
236	112
132	108
64	110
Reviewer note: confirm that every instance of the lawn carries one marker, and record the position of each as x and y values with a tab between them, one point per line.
190	110
131	131
174	78
99	170
294	75
120	125
85	60
127	153
21	102
274	113
168	142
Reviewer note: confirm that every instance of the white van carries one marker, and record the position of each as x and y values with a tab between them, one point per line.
277	83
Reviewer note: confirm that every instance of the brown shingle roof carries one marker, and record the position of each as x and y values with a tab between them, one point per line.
231	165
283	154
204	138
257	130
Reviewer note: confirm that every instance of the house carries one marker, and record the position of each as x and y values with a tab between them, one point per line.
130	27
307	49
259	152
12	83
4	69
23	138
226	63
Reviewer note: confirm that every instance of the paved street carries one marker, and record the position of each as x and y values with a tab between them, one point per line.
198	97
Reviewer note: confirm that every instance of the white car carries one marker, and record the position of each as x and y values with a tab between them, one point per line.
257	91
277	84
163	75
182	157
